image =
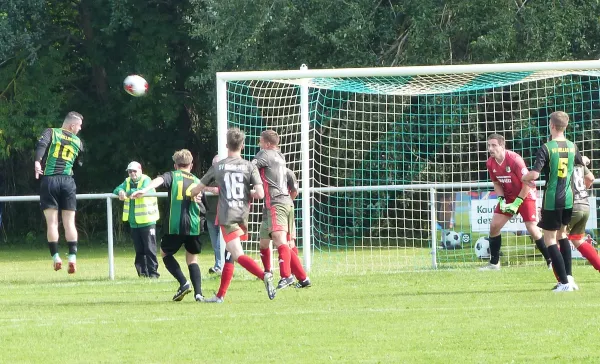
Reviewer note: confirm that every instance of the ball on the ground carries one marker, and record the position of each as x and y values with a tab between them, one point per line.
451	240
135	85
482	248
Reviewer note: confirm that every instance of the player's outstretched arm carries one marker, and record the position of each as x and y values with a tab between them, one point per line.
157	182
202	188
207	179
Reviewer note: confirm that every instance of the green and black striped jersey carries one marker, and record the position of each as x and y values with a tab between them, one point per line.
556	160
184	212
58	150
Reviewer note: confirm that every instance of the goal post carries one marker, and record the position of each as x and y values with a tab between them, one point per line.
391	160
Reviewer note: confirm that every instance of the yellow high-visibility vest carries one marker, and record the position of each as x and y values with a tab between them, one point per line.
146	208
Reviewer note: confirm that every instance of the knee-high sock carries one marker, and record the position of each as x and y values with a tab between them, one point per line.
251	266
174	268
589	253
284	261
265	257
558	264
543	249
565	250
495	243
196	278
296	266
226	276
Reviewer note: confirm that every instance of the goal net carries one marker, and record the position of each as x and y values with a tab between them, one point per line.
397	161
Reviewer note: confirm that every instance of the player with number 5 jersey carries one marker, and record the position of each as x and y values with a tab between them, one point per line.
556	160
235	177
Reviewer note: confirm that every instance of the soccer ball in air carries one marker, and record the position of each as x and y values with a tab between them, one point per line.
451	240
482	248
135	85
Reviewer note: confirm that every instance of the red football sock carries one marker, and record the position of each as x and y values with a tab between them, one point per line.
226	276
265	257
296	266
284	261
295	250
589	253
251	266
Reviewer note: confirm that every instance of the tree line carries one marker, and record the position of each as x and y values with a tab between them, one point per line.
58	56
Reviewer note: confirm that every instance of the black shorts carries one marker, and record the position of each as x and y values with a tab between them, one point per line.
553	220
58	192
170	244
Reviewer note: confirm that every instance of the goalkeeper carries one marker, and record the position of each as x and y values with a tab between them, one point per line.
506	168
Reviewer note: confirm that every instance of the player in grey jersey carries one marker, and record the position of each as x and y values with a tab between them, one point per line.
278	209
235	177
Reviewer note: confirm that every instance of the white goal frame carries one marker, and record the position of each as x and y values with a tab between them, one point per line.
304	74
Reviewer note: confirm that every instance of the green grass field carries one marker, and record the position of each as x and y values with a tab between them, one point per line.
446	316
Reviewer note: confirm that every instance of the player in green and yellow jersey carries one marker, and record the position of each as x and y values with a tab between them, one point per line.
183	223
557	159
57	151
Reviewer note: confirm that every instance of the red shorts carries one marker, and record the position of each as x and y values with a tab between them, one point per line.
527	210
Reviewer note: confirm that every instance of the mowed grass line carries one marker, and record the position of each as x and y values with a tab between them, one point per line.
463	316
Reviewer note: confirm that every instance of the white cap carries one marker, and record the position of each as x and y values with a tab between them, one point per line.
134	165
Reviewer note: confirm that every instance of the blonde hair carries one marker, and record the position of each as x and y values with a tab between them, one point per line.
183	158
560	120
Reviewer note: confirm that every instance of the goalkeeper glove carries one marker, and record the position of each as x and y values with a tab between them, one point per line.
501	203
513	207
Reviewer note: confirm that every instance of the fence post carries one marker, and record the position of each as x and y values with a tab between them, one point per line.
433	228
109	228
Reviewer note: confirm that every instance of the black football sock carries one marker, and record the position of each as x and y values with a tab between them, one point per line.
543	249
53	246
495	243
558	264
72	247
565	250
196	278
174	268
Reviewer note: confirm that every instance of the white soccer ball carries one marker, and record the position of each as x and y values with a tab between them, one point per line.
482	247
451	240
135	85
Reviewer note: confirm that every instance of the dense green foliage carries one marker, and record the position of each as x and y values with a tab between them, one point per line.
57	56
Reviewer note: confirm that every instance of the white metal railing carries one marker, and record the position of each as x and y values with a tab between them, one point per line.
432	188
109	221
